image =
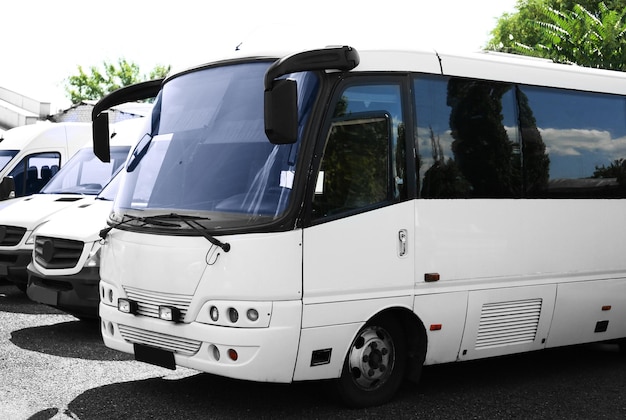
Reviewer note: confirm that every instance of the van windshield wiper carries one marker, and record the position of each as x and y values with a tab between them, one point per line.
157	220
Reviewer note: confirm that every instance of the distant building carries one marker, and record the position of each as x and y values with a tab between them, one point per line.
17	110
81	112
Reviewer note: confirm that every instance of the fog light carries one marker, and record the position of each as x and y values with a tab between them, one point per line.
214	313
169	313
252	314
127	306
233	315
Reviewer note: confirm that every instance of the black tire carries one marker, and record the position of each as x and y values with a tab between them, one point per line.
374	366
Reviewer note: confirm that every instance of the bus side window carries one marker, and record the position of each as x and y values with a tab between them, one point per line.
355	168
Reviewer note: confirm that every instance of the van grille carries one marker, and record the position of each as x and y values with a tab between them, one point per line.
148	302
167	342
57	253
11	235
508	323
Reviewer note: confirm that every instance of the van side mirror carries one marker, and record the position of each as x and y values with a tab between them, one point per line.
7	186
281	112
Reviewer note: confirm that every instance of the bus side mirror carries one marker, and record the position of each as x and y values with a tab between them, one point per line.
281	112
7	186
100	134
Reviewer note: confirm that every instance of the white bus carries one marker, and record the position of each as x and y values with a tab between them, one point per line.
335	214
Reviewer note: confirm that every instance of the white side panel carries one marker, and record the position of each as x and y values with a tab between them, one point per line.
582	308
443	316
358	257
507	321
479	243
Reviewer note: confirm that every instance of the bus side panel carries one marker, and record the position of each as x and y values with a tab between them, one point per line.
589	311
507	320
443	316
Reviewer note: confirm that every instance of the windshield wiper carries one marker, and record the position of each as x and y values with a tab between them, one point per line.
157	220
201	229
148	220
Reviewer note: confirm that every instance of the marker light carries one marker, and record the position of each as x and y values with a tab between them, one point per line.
214	313
233	355
127	306
169	313
252	314
233	315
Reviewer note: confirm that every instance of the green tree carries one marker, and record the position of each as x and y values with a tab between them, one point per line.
96	82
586	33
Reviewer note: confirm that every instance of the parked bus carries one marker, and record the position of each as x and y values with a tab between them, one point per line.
335	214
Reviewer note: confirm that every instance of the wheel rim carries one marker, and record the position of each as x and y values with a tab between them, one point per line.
371	358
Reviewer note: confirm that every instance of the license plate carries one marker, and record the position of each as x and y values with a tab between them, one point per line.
43	295
154	356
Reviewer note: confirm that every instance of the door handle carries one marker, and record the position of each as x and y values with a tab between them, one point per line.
402	242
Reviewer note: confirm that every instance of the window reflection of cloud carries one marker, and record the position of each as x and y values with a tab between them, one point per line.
575	142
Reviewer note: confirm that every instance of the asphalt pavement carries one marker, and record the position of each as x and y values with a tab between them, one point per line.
53	366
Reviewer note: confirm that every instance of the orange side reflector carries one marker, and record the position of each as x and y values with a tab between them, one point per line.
606	308
431	277
435	327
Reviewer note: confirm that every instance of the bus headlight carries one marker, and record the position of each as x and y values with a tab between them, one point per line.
169	313
127	306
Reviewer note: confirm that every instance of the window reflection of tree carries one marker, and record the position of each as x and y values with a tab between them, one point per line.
481	146
536	160
486	162
355	167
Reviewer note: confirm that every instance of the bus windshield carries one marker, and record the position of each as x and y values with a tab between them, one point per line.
85	174
208	152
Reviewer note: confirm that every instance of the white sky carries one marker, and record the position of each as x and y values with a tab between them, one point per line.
43	41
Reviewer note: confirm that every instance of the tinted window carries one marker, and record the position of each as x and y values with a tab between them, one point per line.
574	143
467	139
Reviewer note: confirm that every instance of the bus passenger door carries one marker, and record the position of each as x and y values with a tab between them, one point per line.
357	253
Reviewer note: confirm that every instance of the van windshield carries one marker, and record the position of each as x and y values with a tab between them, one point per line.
85	174
6	156
209	153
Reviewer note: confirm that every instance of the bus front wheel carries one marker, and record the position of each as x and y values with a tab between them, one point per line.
374	366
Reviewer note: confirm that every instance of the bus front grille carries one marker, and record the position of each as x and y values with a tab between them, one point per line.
167	342
148	302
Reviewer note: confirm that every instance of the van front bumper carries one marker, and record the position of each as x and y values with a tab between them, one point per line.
75	294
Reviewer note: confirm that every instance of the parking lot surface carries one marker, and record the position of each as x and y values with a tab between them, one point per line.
53	366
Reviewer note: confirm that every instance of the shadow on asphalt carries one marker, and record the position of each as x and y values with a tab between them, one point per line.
205	396
78	339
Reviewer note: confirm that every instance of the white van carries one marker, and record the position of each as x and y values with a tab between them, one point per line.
77	183
65	265
31	154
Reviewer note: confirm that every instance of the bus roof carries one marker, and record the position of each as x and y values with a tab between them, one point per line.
486	65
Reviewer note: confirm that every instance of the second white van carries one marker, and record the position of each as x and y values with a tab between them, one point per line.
30	155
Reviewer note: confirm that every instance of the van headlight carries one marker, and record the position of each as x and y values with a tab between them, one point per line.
93	259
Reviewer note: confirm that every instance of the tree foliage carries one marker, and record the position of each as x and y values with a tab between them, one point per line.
583	32
97	82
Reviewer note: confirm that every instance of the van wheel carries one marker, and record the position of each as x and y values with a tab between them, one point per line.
374	366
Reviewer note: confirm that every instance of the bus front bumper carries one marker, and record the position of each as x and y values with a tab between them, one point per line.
256	354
